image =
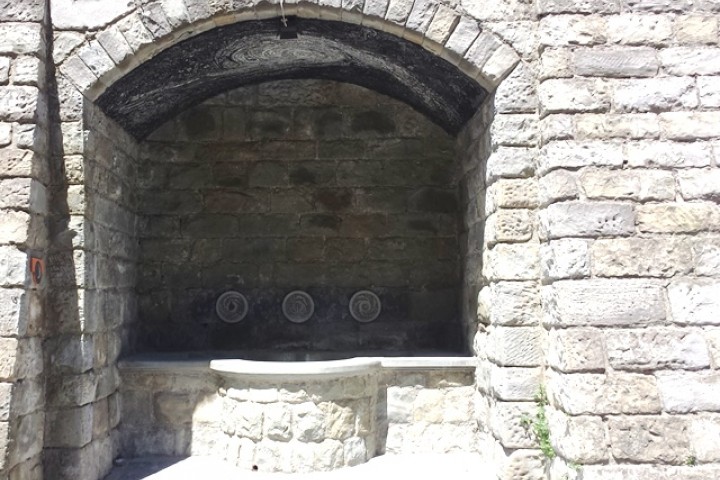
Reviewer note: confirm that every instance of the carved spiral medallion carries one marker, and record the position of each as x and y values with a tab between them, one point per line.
231	307
365	306
298	306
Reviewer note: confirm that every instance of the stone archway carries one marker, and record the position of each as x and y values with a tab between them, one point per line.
449	66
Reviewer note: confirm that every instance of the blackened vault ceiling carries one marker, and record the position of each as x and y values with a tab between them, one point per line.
252	52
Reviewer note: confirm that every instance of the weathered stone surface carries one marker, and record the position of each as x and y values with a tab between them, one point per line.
684	392
706	256
18	103
515	346
656	348
20	38
690	60
567	30
14	227
709	91
565	258
463	36
678	217
507	225
515	384
69	428
649	439
637	62
569	154
603	303
608	126
639	29
514	130
657	94
698	184
654	472
517	93
573	95
506	423
703	429
513	193
667	154
522	464
574	6
511	303
598	394
555	63
579	439
576	350
88	15
695	303
640	257
690	125
641	185
558	185
513	262
508	162
587	219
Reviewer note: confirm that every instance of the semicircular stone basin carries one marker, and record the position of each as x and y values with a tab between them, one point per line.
299	416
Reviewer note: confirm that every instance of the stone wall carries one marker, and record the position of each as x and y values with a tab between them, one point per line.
25	181
628	174
311	185
182	408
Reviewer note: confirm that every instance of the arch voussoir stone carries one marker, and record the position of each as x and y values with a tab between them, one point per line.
120	46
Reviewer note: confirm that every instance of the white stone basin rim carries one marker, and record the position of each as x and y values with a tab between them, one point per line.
237	368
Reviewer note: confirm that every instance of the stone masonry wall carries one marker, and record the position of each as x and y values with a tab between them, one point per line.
92	275
24	183
310	185
629	182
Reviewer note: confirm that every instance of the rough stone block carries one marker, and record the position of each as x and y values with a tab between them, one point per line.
513	303
637	62
506	424
14	227
565	258
21	38
698	184
515	384
667	154
555	63
517	93
685	392
641	257
598	394
574	95
570	30
513	262
173	408
690	125
695	302
513	193
18	104
608	126
656	348
578	6
509	226
706	256
704	430
442	25
604	303
508	162
515	346
639	185
514	130
465	33
649	439
576	350
690	60
639	29
678	217
525	464
558	185
588	219
709	91
570	154
579	439
656	94
69	428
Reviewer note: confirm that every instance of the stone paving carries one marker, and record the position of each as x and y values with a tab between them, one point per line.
456	466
